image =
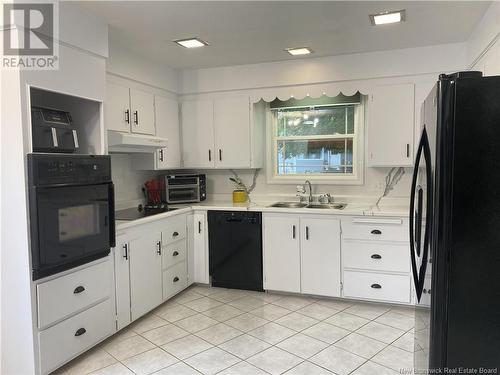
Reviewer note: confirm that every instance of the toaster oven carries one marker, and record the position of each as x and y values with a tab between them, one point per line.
185	188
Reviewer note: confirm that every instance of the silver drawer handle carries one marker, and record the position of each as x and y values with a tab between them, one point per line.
175	253
376	256
175	279
376	286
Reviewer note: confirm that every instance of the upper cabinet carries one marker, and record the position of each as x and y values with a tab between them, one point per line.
232	132
142	106
223	133
167	126
129	110
198	134
166	121
391	126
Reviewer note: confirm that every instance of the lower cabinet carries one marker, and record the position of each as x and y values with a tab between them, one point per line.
145	273
200	248
75	312
281	251
377	286
71	337
150	266
320	256
302	254
376	259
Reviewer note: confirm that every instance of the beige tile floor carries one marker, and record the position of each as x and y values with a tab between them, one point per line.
221	331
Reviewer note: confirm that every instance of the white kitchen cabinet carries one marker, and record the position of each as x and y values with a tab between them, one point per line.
200	248
391	125
376	259
198	134
281	252
223	133
167	126
129	110
320	256
122	281
232	132
142	112
117	107
145	271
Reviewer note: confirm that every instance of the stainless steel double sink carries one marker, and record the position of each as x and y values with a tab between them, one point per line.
334	206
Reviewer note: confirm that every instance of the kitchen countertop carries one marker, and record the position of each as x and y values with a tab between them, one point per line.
352	209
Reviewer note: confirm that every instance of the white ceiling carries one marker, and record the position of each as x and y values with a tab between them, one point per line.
244	32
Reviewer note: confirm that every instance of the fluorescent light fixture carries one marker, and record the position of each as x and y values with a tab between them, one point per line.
388	17
191	43
297	51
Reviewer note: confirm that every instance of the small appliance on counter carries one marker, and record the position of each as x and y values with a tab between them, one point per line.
53	130
71	204
185	188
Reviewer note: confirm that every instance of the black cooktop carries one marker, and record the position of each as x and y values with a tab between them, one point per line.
141	211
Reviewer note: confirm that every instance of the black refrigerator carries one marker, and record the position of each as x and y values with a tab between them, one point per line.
455	226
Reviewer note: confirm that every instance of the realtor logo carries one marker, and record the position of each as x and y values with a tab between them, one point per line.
28	37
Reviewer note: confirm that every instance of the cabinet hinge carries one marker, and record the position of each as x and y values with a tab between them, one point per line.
116	318
341	285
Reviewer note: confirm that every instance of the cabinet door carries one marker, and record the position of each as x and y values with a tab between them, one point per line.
391	125
145	272
122	281
190	248
232	132
200	248
143	112
118	116
167	126
281	250
320	256
198	134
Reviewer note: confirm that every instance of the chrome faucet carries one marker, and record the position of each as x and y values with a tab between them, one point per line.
310	191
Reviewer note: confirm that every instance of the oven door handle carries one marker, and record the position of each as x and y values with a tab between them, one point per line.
111	205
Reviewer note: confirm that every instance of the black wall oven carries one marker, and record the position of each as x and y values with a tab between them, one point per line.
71	211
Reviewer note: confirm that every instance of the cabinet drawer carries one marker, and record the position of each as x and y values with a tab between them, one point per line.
174	229
174	280
174	253
61	342
384	229
61	297
377	286
376	255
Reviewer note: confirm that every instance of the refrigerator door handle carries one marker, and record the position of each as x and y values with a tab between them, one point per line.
416	216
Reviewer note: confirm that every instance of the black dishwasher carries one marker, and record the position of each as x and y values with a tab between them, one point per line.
235	249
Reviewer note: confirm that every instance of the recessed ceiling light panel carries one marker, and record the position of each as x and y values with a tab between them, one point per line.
297	51
388	17
191	43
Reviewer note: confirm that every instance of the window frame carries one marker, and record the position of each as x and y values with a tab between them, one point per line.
356	178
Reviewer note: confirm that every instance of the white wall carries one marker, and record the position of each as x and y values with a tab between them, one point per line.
393	63
483	47
124	63
484	35
128	182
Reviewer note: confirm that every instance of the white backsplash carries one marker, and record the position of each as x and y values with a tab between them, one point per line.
128	181
220	188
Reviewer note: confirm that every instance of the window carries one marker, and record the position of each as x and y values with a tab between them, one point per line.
317	142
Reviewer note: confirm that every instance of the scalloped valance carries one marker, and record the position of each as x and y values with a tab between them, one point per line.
314	91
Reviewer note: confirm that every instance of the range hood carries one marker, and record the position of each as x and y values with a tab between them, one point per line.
134	143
